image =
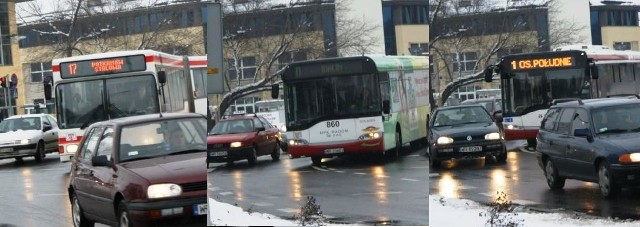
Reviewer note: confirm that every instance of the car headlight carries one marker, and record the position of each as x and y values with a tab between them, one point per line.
236	144
370	135
72	148
445	140
629	158
163	190
283	128
298	142
24	141
492	136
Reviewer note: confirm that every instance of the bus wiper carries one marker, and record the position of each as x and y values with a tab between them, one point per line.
615	130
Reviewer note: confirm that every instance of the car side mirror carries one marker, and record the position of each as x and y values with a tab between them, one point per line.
583	132
260	129
386	107
46	128
497	116
100	160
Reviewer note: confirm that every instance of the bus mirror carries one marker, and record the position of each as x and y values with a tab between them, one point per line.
162	77
275	91
47	92
386	109
488	75
497	116
594	72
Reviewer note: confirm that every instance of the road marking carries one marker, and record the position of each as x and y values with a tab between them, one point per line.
466	187
225	193
486	194
431	175
339	171
52	194
377	193
68	168
413	155
213	189
407	179
299	171
288	210
332	169
527	151
317	168
523	202
360	173
419	167
263	204
271	197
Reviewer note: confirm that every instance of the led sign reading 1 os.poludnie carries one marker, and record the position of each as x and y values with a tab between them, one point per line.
542	63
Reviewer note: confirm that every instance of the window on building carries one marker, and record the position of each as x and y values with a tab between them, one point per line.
464	62
625	45
38	101
247	67
419	49
5	41
39	71
188	18
291	56
415	14
246	104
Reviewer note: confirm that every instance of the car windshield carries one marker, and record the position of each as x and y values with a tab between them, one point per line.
461	115
26	123
487	105
617	119
233	126
161	138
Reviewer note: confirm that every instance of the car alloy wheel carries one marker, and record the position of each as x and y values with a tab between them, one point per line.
553	179
76	214
39	156
123	217
607	187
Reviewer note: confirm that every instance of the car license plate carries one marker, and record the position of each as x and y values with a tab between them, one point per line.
6	150
334	151
219	153
200	209
471	149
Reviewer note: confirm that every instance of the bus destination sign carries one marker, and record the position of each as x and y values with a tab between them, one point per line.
326	69
550	60
103	66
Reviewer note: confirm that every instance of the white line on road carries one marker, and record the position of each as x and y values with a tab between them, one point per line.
360	173
413	155
263	204
339	171
288	210
466	187
68	168
526	151
52	194
213	189
434	175
225	193
408	179
332	169
377	193
271	197
419	167
523	202
318	168
486	194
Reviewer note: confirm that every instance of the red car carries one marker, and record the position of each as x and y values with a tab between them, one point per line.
141	171
242	137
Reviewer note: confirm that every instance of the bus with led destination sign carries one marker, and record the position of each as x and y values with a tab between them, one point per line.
531	81
347	105
98	87
103	66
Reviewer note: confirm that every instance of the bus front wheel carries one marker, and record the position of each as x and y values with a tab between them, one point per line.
531	143
316	160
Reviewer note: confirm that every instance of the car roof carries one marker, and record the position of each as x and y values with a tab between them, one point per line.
239	117
459	107
479	100
146	118
598	103
25	115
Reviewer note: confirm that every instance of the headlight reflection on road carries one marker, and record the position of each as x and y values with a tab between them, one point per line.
295	184
380	184
514	165
28	184
498	183
237	183
448	186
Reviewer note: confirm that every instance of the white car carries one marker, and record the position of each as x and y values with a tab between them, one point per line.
30	135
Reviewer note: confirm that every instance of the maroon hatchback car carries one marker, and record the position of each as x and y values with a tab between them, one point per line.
145	170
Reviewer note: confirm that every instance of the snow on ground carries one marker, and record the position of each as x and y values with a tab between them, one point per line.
222	214
461	212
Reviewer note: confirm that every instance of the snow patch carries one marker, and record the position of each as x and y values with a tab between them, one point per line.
222	214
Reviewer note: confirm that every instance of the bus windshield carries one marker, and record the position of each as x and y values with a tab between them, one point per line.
331	98
531	91
82	103
269	106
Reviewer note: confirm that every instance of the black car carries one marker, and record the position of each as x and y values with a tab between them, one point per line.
466	131
592	140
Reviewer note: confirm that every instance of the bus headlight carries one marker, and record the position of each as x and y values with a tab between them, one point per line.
236	144
72	148
295	142
163	190
370	135
492	136
283	128
444	140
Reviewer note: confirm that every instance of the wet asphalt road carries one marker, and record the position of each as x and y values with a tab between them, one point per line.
34	194
524	183
351	189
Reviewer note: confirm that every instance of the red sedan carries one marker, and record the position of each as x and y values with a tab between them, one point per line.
242	137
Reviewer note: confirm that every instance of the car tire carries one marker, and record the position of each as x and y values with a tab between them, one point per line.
77	216
39	156
433	159
554	180
124	220
316	161
532	143
253	157
275	155
607	187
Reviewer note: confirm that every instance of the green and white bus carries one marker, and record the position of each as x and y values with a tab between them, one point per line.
348	105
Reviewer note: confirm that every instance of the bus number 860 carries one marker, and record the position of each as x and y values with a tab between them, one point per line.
333	124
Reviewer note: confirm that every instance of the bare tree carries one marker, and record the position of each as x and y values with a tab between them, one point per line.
490	33
280	29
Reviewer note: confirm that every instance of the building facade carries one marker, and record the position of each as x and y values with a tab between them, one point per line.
10	66
615	24
406	27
